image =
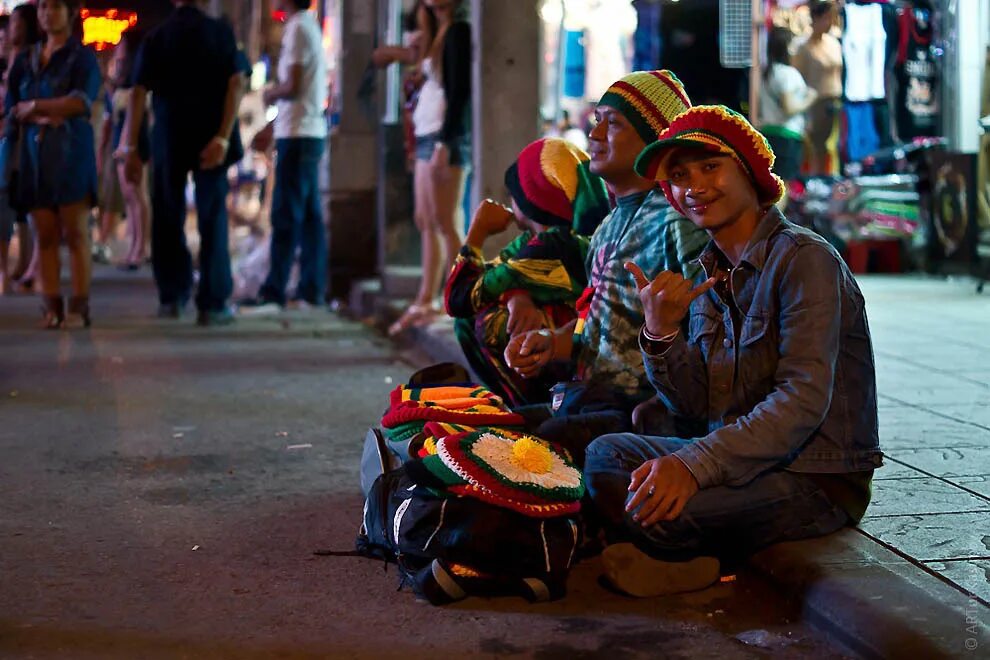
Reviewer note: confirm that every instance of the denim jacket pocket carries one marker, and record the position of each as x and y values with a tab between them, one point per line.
701	330
754	329
757	353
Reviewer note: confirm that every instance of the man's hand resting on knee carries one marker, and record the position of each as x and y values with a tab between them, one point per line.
661	488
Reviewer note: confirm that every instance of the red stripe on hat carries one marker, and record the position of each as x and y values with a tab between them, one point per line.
647	103
673	87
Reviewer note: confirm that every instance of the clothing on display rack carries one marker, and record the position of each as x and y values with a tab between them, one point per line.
916	74
864	47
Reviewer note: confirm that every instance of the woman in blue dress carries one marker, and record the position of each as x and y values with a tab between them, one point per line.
50	92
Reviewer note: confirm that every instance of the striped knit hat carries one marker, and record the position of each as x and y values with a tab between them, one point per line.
551	183
721	130
650	100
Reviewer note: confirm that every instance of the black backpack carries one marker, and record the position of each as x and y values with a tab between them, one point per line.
453	547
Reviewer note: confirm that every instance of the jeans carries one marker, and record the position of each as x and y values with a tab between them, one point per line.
170	257
723	521
297	222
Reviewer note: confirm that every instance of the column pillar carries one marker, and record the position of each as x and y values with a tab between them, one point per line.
353	172
507	46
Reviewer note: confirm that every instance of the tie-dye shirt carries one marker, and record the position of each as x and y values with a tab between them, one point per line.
643	228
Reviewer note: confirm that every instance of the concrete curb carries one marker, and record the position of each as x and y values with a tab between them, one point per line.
873	599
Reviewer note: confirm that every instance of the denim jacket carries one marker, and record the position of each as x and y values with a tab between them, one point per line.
57	162
794	386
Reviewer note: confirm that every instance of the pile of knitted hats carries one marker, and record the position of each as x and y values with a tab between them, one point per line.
467	446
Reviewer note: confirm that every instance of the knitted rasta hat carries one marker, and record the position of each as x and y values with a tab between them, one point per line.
718	129
650	100
507	469
551	183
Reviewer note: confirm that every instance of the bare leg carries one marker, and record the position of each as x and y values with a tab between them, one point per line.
49	235
25	249
138	220
74	220
449	218
426	212
4	275
422	308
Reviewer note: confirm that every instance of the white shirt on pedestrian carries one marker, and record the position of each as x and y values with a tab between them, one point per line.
784	80
303	116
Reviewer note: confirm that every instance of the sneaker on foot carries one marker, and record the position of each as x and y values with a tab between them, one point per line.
635	573
215	317
169	311
258	306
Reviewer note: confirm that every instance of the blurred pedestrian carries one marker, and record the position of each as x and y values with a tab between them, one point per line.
23	33
135	194
7	213
111	197
300	131
190	64
784	98
51	89
819	59
443	142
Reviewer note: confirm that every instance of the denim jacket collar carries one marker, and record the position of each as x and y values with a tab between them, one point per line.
35	53
755	253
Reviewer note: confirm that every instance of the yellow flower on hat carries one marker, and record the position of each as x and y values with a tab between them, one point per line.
532	455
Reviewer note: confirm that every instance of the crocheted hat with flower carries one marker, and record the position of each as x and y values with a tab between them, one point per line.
718	129
551	183
510	470
649	100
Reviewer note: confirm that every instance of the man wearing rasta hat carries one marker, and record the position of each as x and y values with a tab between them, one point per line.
777	359
602	345
558	203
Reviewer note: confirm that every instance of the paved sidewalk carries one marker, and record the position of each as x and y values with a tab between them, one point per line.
931	501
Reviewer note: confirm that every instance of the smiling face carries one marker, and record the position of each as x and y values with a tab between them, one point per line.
712	189
613	145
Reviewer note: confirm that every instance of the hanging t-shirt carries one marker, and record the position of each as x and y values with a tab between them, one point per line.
864	49
917	79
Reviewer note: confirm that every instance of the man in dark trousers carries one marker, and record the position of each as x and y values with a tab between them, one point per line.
189	63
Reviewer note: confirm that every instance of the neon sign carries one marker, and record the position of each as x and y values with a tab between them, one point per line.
105	28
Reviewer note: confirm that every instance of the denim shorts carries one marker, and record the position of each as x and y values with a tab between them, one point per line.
460	148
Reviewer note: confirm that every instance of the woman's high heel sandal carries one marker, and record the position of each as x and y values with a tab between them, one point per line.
53	313
79	306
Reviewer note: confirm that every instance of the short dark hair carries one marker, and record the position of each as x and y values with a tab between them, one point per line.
4	22
819	8
302	4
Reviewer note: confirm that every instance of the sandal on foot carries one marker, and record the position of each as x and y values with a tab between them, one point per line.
53	313
415	315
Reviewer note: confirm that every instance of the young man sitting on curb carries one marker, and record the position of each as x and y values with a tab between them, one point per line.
777	359
602	345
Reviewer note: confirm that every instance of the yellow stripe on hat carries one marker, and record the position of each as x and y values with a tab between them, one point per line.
559	161
646	113
660	94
